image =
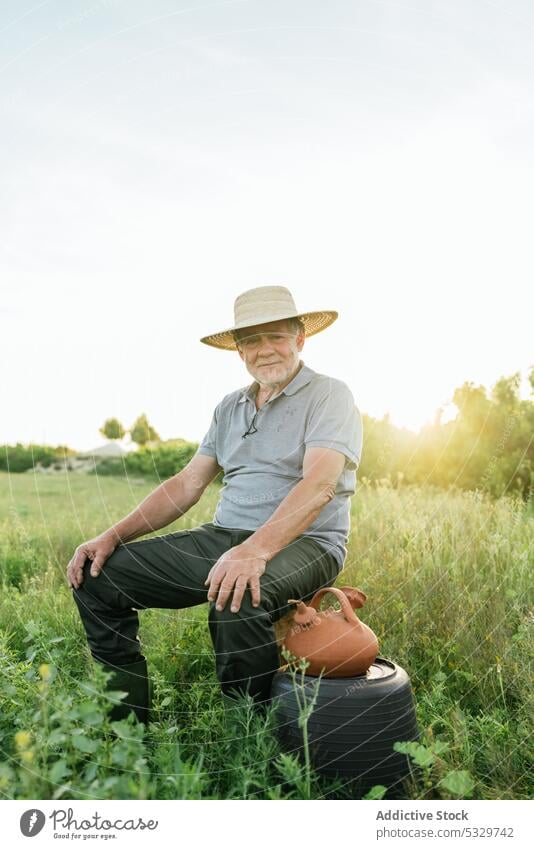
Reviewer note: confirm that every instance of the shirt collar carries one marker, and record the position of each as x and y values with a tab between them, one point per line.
302	378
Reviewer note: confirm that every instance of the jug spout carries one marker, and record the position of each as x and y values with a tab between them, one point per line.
304	615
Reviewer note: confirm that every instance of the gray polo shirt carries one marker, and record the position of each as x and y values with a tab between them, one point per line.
260	469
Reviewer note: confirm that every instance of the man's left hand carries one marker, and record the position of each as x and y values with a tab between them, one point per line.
238	568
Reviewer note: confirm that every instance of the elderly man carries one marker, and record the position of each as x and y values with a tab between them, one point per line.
289	446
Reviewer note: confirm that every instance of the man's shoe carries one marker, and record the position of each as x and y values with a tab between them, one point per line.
133	679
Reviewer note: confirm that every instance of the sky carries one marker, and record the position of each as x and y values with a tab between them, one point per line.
158	158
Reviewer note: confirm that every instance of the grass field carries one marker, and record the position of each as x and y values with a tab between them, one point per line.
448	579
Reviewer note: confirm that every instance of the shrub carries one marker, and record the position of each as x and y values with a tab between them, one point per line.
160	461
20	458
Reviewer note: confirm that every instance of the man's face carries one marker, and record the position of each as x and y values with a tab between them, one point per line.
271	351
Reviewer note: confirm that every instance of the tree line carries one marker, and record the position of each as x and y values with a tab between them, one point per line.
489	446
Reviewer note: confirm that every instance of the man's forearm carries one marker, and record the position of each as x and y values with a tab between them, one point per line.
293	515
165	504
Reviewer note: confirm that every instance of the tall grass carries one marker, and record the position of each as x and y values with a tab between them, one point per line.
449	596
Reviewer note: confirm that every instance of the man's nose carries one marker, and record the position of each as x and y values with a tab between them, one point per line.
265	347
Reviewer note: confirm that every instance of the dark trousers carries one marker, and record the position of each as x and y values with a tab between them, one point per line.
169	572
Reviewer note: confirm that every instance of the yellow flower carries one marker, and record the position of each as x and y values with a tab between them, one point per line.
44	671
22	739
27	756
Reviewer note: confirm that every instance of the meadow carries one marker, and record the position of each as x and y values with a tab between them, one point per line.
448	579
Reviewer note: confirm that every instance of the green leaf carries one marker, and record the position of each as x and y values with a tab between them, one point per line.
289	767
459	783
116	695
440	746
58	771
73	713
120	755
376	792
122	728
84	744
6	774
422	756
63	788
55	737
90	714
90	771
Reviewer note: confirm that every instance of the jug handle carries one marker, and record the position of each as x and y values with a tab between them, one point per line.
348	612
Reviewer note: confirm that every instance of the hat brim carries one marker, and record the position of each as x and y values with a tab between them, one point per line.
313	323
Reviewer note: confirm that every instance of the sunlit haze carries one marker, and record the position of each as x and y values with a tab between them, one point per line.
159	158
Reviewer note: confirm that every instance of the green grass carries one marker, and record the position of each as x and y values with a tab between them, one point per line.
449	596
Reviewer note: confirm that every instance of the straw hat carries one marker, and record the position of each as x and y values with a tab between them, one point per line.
265	304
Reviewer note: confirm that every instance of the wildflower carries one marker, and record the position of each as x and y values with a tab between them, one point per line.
45	671
22	739
27	756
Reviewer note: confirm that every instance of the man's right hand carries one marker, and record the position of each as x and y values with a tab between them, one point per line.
98	550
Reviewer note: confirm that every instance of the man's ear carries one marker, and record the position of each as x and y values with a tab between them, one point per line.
240	352
301	336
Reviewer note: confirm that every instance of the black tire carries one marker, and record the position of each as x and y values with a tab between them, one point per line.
353	725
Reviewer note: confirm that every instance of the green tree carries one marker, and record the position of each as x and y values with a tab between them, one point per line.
112	429
473	407
505	393
142	431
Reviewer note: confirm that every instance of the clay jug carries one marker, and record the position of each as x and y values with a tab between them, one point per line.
335	641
